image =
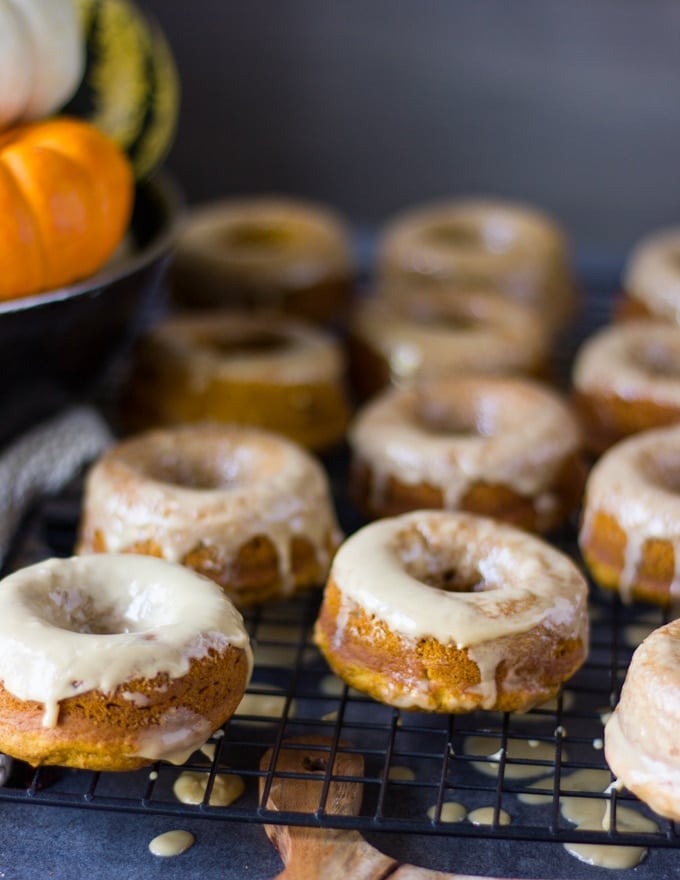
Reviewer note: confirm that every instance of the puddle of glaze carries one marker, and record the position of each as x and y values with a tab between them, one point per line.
485	816
579	780
208	749
398	773
605	714
171	843
190	788
518	749
451	812
636	633
332	686
593	814
616	858
284	653
265	705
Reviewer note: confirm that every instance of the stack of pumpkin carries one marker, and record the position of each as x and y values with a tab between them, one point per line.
88	104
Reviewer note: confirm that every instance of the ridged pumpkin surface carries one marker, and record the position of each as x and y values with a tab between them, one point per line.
66	193
130	86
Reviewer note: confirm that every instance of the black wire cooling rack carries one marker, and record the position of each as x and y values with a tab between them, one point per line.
415	764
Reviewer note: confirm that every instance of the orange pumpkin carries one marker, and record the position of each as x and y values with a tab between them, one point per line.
66	194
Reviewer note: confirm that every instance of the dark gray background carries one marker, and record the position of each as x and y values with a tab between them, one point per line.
372	105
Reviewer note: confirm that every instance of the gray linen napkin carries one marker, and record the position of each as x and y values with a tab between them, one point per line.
43	460
39	463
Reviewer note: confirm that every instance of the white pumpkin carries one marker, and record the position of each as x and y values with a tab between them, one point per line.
42	55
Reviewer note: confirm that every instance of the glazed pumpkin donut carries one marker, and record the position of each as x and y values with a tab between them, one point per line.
630	531
442	333
641	736
502	447
242	506
449	612
236	367
626	379
267	252
651	278
113	663
481	243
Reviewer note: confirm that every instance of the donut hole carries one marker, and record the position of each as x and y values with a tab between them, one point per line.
442	319
465	418
208	467
192	473
435	421
80	610
452	323
491	237
455	234
254	237
452	580
441	567
255	343
657	359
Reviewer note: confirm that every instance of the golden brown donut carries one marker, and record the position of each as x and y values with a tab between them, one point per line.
626	379
483	243
247	508
396	340
641	736
630	530
111	663
448	612
271	252
274	373
503	447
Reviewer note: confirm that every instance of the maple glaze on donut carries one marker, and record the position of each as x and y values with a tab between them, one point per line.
450	612
481	242
630	529
248	369
640	738
113	662
245	507
496	446
397	340
626	379
274	252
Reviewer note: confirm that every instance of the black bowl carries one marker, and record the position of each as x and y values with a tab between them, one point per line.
61	347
